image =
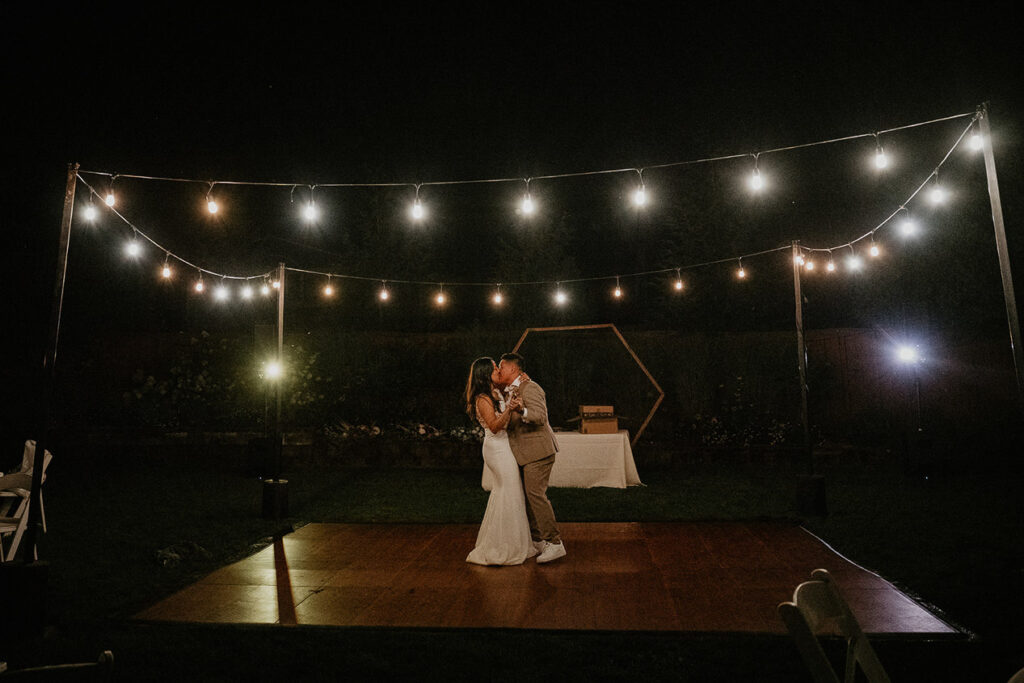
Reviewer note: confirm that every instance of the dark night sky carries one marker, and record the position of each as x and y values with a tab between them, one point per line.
467	92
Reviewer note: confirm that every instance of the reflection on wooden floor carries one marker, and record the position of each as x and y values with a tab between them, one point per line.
699	576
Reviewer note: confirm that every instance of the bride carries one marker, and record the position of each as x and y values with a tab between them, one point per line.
504	536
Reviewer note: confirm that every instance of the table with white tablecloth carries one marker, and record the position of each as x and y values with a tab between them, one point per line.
588	460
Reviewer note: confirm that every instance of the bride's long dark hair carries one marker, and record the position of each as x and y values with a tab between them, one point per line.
479	382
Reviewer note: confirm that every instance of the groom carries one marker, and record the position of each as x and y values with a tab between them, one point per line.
533	445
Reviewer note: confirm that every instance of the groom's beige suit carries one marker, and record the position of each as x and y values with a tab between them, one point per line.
534	447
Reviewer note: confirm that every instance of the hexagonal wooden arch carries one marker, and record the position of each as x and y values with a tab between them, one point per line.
567	328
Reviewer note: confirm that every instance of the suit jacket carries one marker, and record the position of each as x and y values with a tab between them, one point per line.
531	439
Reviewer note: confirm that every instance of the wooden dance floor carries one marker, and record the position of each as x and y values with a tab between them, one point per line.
700	576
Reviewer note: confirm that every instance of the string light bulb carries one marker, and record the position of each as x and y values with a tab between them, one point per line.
617	292
109	199
221	292
165	272
199	286
328	288
937	195
881	160
640	194
273	370
276	284
440	299
756	181
854	262
418	212
133	248
383	294
798	259
678	284
246	291
527	205
831	265
265	289
908	228
740	272
560	297
873	249
497	299
809	265
976	142
90	210
211	204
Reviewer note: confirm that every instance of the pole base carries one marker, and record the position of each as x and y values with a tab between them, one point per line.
810	495
275	498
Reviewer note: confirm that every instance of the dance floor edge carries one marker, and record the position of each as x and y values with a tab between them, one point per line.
633	576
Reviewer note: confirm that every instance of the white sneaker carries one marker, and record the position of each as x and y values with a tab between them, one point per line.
551	552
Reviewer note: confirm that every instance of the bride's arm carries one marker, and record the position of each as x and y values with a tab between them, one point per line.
494	421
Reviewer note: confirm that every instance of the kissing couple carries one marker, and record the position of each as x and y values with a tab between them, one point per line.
519	450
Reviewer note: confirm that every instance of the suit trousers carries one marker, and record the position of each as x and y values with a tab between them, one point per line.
538	507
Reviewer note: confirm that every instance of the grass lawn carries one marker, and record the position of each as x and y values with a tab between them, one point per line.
951	540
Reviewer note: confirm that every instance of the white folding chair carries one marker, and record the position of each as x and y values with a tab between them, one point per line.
817	605
9	499
14	525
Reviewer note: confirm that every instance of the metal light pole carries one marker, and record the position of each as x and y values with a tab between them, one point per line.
1004	256
275	490
810	487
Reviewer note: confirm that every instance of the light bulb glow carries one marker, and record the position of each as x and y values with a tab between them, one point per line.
798	259
418	211
276	284
741	273
497	299
830	267
809	265
265	289
756	181
881	160
384	295
221	293
440	299
199	287
527	206
560	297
617	293
976	142
937	195
133	248
874	251
310	212
328	290
908	228
109	199
640	196
273	370
678	285
90	213
246	292
854	262
907	354
166	272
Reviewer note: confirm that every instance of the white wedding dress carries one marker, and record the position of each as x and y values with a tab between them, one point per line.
504	536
